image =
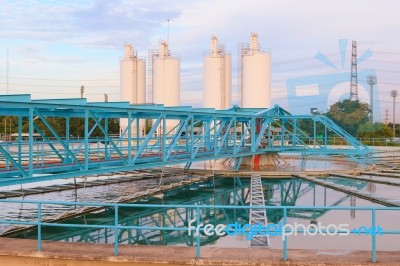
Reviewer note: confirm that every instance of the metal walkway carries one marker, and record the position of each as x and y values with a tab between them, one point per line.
367	179
352	191
258	216
40	152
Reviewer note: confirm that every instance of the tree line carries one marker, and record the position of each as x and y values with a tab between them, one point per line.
352	116
9	125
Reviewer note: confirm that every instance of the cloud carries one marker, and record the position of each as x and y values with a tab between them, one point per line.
98	23
88	35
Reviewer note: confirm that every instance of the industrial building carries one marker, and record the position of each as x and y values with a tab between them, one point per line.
217	77
164	79
133	85
255	75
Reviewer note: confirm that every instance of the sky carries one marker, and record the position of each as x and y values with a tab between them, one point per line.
53	47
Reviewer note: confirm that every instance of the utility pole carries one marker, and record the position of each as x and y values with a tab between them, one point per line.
105	97
168	31
353	76
371	80
82	90
7	67
394	95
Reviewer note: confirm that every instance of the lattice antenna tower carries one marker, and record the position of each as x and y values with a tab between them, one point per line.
353	77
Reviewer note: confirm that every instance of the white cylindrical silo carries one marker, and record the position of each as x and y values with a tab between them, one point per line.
166	79
132	84
217	79
255	76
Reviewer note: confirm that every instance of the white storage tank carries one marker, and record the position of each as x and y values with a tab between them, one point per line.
255	82
165	79
132	85
217	77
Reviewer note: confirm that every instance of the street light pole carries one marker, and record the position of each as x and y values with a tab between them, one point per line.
371	80
394	95
82	90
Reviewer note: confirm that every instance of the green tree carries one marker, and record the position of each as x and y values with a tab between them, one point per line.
374	130
349	114
76	126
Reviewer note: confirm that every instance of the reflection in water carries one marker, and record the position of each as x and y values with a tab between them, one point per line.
218	191
352	204
371	188
351	183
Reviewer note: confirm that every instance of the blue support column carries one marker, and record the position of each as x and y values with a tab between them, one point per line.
192	147
245	131
86	129
270	139
116	240
198	243
234	136
187	134
130	137
105	131
294	132
67	136
262	131
374	235
30	118
215	135
315	134
137	128
207	135
285	237
39	227
283	133
163	141
253	135
19	139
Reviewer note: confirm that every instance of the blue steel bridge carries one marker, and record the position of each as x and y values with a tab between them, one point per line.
200	134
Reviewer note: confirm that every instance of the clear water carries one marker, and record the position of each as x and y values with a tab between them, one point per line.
374	189
28	211
231	191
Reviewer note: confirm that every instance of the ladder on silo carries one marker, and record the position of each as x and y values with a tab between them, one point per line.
239	75
135	79
150	59
258	216
223	91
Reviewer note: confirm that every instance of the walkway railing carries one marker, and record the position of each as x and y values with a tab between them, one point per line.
42	150
338	141
196	225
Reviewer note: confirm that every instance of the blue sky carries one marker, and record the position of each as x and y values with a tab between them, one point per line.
56	46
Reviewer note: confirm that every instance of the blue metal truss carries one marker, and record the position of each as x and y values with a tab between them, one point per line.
200	134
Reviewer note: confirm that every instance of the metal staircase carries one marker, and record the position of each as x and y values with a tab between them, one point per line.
258	216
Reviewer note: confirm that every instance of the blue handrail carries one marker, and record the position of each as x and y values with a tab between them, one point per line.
116	226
